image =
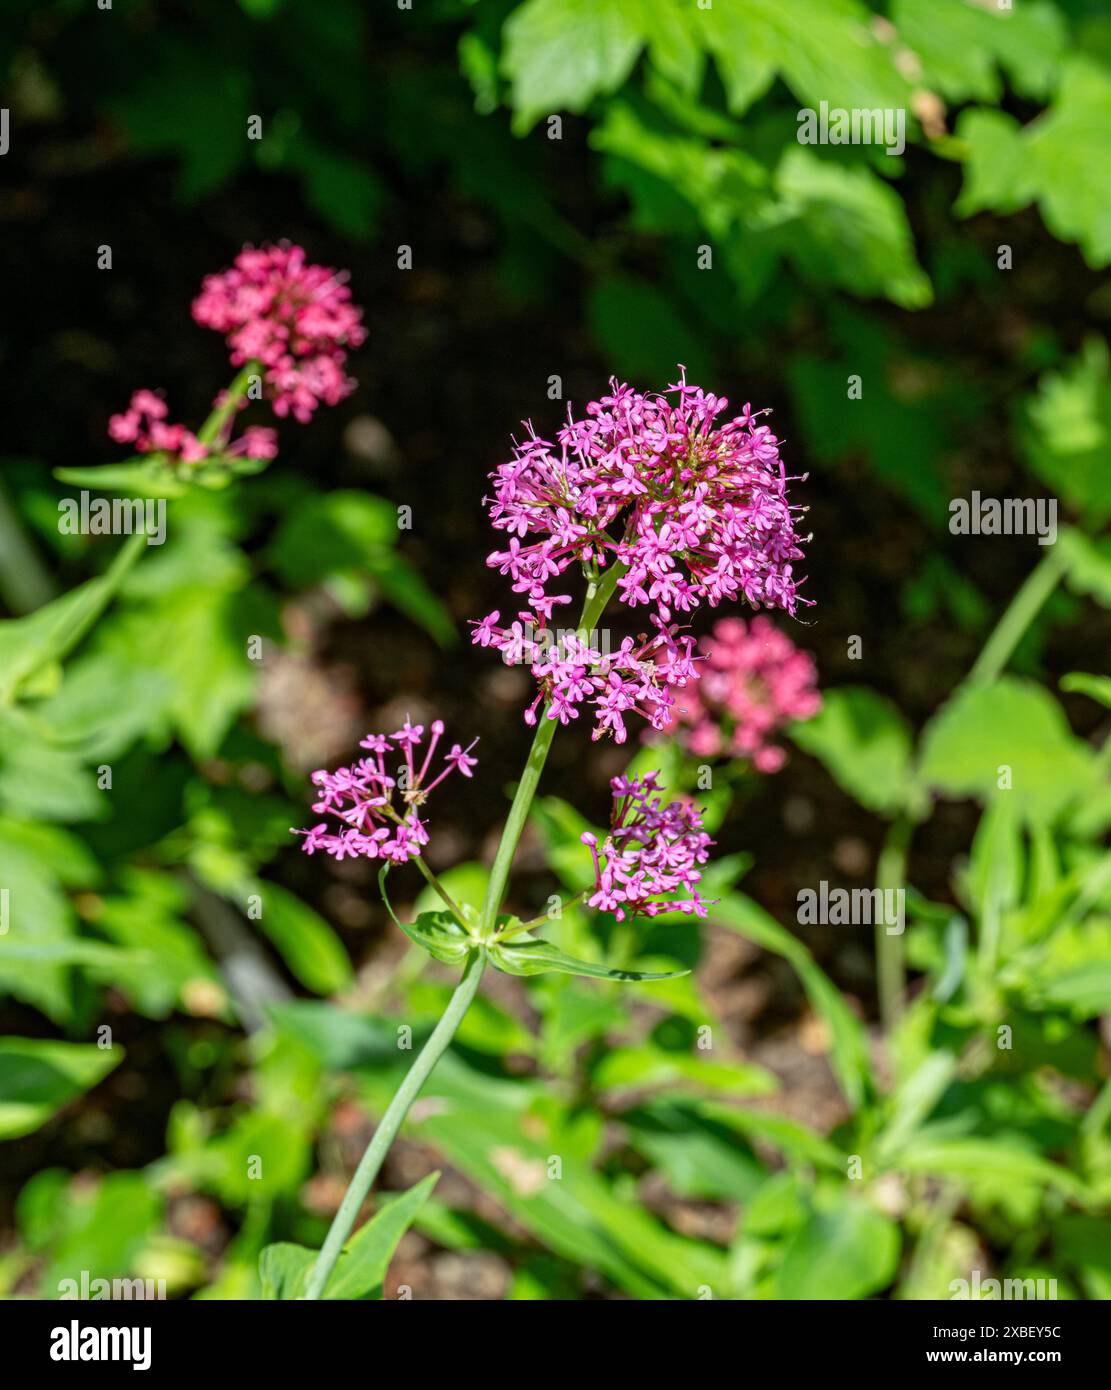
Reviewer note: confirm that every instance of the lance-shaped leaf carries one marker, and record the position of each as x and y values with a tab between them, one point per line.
438	933
526	955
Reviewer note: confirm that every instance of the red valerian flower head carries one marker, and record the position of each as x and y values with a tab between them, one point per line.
378	812
694	509
652	848
296	319
753	680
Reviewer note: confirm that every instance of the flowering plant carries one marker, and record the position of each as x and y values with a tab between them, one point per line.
662	505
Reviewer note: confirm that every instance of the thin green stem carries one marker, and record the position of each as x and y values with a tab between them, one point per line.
1017	617
434	883
598	595
891	872
391	1122
212	429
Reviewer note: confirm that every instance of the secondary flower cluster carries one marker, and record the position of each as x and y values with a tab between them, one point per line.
637	678
652	848
144	424
692	511
361	798
753	680
294	318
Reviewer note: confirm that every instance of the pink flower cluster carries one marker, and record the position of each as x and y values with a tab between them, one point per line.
143	424
361	798
753	681
296	319
692	510
652	848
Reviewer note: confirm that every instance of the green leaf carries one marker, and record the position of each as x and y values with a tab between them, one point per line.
1087	564
526	955
1066	432
38	1078
960	46
438	933
865	745
139	479
308	945
993	1160
1056	160
847	1252
848	228
361	1268
848	1043
1014	724
1081	683
560	54
284	1268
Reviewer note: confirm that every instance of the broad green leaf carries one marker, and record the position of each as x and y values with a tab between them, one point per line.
1055	160
849	1251
283	1269
561	54
1011	731
38	1078
1087	564
438	933
865	744
527	955
1066	432
646	1066
849	229
307	944
961	45
361	1268
140	479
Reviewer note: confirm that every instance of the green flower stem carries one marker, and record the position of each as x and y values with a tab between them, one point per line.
212	429
1019	614
128	554
392	1121
445	897
891	870
598	595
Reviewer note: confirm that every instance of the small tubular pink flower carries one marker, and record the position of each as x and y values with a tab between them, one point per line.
144	424
695	511
361	798
753	681
652	848
296	319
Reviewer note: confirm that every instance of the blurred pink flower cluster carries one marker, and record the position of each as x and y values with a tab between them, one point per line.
144	424
752	681
294	318
693	510
652	848
361	798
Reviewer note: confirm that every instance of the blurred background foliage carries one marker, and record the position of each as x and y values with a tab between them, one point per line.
251	1046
